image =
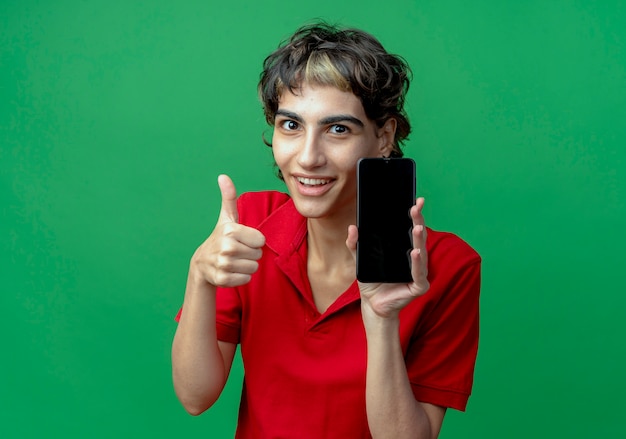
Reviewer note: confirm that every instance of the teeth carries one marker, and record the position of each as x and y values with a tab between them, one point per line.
312	181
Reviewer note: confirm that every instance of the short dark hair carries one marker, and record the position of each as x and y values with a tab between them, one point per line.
349	59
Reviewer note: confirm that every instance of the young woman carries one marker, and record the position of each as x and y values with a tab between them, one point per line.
324	355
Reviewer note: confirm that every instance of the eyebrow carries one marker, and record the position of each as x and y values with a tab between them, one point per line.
341	118
289	115
325	121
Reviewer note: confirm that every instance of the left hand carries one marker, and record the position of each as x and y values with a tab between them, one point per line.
386	300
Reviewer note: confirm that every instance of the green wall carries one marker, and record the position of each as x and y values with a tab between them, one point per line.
116	118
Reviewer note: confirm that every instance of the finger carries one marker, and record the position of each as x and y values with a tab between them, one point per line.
418	236
419	239
419	255
351	240
418	220
419	272
416	212
231	266
419	260
229	199
224	279
236	250
248	236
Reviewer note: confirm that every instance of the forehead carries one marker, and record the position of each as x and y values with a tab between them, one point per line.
322	100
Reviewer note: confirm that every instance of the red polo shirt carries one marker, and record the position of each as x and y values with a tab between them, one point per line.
305	371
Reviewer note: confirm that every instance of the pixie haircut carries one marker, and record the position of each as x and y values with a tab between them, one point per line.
348	59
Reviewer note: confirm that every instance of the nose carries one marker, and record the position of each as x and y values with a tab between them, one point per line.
311	154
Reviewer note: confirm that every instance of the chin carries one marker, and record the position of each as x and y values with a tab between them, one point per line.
309	210
318	209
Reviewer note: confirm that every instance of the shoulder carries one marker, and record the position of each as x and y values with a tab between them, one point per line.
447	251
255	207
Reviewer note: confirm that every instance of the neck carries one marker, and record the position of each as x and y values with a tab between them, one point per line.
327	243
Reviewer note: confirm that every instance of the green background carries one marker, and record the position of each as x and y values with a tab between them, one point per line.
117	116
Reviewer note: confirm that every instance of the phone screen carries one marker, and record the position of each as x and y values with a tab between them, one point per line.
385	194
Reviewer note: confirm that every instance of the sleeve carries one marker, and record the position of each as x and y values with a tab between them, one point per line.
442	355
227	315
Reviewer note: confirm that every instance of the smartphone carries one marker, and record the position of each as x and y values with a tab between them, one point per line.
385	194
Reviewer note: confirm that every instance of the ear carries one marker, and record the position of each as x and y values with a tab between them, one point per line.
386	136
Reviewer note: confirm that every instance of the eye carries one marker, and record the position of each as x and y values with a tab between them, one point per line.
339	129
289	125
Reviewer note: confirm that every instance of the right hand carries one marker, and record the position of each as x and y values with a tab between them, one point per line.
228	257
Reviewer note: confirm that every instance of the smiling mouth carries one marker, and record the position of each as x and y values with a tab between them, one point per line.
312	181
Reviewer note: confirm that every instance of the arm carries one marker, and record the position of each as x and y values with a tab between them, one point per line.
200	363
392	410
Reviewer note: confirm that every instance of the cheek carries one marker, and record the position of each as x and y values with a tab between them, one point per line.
281	154
347	160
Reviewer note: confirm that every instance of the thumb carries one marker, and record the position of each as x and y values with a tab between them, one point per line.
351	240
229	199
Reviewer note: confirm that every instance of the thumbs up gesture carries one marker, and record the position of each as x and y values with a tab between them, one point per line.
229	256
